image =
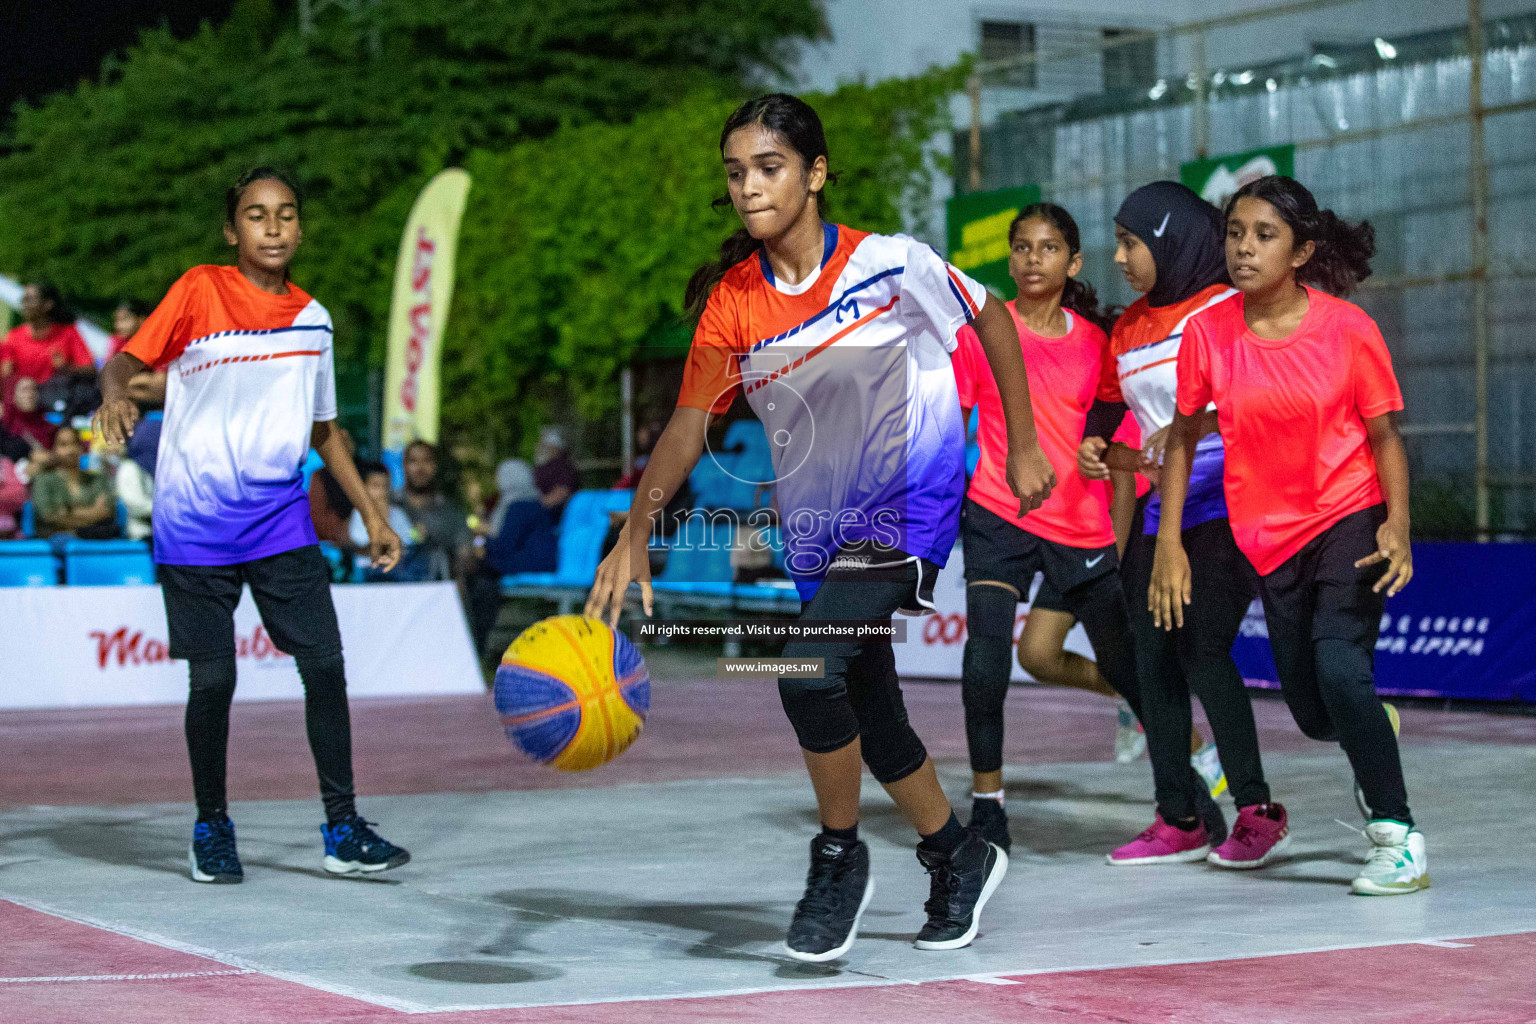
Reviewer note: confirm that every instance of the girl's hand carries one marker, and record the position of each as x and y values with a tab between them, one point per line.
1090	459
383	545
1031	477
114	422
614	575
1393	548
1153	447
1169	592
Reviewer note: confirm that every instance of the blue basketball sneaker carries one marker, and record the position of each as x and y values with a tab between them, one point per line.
351	846
212	856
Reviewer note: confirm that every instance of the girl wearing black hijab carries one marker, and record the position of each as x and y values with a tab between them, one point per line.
1169	246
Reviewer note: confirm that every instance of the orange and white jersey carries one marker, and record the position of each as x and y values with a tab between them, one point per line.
248	373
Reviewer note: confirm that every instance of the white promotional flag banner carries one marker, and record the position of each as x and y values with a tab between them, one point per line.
101	646
936	642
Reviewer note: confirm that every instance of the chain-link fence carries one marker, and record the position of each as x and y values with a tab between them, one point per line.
1431	139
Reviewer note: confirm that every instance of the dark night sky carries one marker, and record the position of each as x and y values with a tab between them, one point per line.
54	44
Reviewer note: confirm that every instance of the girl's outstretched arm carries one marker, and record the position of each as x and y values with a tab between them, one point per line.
677	451
383	542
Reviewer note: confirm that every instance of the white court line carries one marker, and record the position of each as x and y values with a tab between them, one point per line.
1444	944
403	1006
125	977
1001	976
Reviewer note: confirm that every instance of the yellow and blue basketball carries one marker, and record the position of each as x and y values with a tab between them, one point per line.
572	692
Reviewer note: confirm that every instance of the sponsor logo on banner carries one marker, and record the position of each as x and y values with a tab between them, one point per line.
125	646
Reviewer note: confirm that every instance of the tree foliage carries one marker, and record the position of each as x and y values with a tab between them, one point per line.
117	187
589	126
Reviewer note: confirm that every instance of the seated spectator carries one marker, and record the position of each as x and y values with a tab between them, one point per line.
69	500
126	321
554	472
412	566
645	440
329	507
13	495
521	538
521	535
135	480
24	418
44	343
440	527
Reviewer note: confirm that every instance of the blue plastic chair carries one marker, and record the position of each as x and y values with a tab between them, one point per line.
312	462
28	563
583	526
28	520
107	563
693	568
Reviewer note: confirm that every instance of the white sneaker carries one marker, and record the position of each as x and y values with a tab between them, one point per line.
1130	740
1208	763
1398	863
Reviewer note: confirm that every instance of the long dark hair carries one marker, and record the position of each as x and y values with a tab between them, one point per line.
1343	251
262	173
1076	295
792	120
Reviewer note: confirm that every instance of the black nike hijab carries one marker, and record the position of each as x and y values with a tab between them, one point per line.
1184	234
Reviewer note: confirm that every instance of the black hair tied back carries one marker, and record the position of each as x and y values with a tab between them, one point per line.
1343	251
255	174
1077	295
797	124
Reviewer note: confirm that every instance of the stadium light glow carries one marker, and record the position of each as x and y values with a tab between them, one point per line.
1384	49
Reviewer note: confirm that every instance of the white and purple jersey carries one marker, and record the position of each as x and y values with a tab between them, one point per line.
849	372
248	373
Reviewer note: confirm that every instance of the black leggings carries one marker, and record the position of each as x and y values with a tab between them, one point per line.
860	695
1196	658
326	720
987	663
1323	620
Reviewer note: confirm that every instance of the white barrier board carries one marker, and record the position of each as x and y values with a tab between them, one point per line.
97	646
936	642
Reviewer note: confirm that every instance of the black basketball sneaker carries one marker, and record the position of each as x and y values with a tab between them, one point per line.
959	886
989	818
837	889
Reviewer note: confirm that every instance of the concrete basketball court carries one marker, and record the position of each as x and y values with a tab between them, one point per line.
659	887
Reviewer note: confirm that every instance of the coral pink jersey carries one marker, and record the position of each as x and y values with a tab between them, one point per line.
1292	412
1064	375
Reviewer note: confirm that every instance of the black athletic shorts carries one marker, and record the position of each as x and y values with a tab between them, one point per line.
997	550
872	562
1318	593
292	592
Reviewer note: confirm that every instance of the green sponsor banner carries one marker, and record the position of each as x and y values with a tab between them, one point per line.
1220	176
978	233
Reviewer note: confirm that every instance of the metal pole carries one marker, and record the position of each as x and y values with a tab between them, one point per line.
1202	116
973	87
1478	166
627	418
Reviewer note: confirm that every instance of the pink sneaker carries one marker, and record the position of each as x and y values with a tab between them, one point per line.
1261	833
1163	844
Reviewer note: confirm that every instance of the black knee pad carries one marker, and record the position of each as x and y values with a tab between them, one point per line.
822	717
327	672
892	751
212	677
987	662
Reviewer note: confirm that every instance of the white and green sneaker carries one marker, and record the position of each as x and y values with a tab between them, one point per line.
1398	863
1130	740
1207	763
